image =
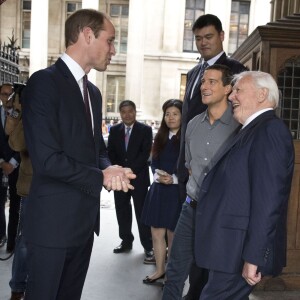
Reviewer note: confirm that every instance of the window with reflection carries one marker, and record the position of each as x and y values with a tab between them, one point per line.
239	20
289	106
119	16
182	86
115	92
193	10
71	7
26	16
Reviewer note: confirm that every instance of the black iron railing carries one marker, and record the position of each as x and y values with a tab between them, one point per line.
9	64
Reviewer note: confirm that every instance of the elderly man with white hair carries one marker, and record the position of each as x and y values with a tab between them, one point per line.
240	232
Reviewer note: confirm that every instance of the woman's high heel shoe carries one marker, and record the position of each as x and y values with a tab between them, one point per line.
149	280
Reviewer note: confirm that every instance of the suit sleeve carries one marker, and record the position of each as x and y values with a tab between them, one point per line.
144	152
103	156
112	153
270	173
154	164
188	156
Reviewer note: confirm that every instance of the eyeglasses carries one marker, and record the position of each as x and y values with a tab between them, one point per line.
5	94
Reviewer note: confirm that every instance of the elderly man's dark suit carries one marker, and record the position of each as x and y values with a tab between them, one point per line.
64	199
136	158
242	207
193	106
7	153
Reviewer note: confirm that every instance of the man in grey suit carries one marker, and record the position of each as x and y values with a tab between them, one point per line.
62	124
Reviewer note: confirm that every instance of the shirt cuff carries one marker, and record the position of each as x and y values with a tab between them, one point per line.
13	162
175	179
155	177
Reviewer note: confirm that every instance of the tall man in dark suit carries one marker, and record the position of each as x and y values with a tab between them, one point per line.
62	123
209	37
240	232
129	145
9	167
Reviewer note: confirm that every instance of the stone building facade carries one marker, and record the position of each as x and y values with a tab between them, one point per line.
155	47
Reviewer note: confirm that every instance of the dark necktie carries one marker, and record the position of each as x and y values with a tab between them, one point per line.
86	99
199	77
203	67
127	134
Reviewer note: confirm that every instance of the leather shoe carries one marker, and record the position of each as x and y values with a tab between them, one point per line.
149	280
149	257
123	248
9	250
2	241
187	297
17	296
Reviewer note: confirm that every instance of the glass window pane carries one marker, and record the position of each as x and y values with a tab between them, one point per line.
200	4
26	4
244	18
115	92
190	3
239	21
188	45
182	86
114	10
189	14
71	7
119	17
193	10
125	10
26	16
198	13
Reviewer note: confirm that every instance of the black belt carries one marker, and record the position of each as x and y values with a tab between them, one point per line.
191	202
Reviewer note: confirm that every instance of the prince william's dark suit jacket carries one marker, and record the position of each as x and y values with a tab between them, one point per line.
64	199
242	207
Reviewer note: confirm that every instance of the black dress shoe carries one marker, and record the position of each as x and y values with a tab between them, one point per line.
2	241
149	280
187	297
9	250
123	248
17	296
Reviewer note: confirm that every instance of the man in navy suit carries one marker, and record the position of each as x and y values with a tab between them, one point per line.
240	232
9	166
129	145
62	124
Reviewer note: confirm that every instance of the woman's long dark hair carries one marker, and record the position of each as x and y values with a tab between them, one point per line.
162	135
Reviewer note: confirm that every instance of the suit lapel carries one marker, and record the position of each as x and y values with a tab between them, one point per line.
191	82
78	103
243	132
221	59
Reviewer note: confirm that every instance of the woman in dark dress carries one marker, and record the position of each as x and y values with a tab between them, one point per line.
162	205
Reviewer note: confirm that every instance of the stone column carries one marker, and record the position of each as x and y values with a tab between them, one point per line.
222	10
38	35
